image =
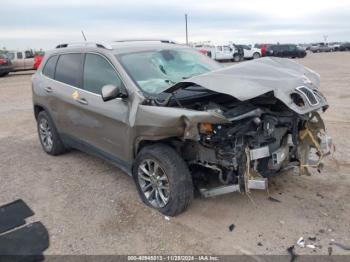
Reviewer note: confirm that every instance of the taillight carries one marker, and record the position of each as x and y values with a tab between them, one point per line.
3	61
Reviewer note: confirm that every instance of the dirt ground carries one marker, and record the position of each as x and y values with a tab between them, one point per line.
91	207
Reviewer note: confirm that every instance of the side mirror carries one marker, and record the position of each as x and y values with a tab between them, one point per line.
110	92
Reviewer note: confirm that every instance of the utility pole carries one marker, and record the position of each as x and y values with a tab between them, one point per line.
186	29
83	35
325	37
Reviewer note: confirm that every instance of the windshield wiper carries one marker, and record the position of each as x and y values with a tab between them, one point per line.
166	101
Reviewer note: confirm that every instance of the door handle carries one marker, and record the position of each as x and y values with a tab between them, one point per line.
48	89
82	101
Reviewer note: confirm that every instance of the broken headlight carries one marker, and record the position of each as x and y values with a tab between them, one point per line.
206	128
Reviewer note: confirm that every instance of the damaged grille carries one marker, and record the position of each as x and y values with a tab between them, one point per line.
309	94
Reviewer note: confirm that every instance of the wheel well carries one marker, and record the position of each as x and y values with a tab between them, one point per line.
172	142
37	110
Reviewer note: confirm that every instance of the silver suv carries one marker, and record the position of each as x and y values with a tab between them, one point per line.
176	120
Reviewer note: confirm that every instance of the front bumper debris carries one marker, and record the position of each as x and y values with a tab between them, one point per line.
314	145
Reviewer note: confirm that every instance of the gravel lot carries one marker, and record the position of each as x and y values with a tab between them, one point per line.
91	207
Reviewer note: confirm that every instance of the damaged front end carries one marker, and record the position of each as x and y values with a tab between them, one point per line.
268	124
261	140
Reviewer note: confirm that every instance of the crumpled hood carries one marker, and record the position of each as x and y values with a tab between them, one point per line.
250	79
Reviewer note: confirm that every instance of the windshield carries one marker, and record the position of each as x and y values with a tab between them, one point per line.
155	71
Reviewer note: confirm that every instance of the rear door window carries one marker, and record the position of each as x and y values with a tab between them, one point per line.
69	69
29	54
98	72
292	48
50	66
19	55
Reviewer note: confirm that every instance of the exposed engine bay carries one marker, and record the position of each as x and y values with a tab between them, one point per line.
264	138
248	122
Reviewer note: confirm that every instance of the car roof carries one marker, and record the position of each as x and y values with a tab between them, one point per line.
118	47
131	47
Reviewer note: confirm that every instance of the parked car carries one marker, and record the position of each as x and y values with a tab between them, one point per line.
305	46
344	47
171	117
5	65
205	49
250	52
286	50
22	60
37	61
222	52
320	47
263	48
226	52
334	46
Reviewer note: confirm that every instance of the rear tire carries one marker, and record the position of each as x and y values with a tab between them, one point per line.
236	58
48	135
163	179
4	74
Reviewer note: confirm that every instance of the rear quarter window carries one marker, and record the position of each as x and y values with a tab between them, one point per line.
292	47
69	69
50	66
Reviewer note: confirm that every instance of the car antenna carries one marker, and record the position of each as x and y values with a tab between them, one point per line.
83	35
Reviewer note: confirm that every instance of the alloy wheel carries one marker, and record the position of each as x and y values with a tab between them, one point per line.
154	183
45	134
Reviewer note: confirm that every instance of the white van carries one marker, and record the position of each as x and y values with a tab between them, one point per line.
225	52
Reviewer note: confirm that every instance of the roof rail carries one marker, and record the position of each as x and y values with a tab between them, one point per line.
84	44
166	41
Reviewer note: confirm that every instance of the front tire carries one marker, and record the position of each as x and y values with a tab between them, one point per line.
48	135
256	55
163	179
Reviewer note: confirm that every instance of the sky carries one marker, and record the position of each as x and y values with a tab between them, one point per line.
45	23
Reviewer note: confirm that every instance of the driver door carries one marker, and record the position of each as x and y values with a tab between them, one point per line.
103	125
292	50
18	62
29	59
247	51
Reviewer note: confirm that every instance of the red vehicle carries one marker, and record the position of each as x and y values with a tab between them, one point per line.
203	51
37	61
263	48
